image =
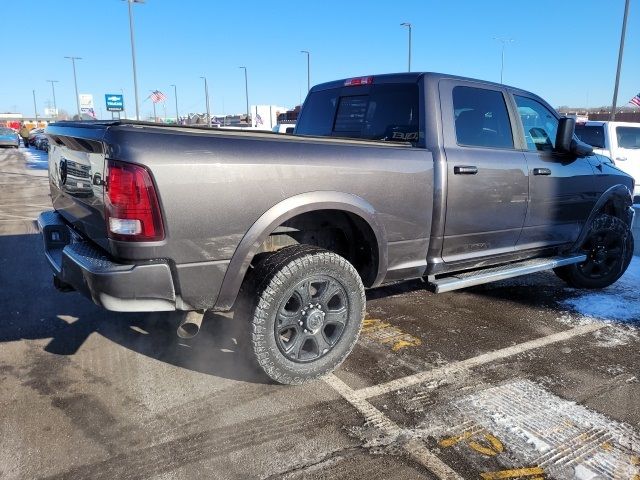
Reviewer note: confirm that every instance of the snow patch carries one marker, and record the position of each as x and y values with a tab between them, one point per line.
619	302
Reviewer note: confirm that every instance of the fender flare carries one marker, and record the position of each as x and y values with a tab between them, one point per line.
285	210
622	198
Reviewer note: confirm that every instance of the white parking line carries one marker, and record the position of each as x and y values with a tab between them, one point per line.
456	367
414	447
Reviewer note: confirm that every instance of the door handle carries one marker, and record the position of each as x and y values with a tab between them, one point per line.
541	171
465	170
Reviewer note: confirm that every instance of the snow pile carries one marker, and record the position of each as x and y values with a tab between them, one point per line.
620	301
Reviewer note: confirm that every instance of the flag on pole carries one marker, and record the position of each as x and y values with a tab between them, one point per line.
157	96
635	100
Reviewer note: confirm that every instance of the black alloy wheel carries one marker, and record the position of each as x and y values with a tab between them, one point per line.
306	307
609	249
310	322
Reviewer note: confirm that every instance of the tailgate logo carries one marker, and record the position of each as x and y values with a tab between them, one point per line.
63	171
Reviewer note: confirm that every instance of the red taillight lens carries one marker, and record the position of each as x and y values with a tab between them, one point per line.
132	208
352	82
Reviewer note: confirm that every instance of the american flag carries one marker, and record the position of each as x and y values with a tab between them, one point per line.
635	100
157	96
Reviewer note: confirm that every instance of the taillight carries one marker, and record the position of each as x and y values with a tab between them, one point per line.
131	204
352	82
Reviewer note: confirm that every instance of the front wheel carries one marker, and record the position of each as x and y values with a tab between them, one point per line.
307	312
609	248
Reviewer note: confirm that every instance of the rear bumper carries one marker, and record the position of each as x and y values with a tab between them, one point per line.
119	287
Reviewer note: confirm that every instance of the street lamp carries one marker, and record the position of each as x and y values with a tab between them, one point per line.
408	25
620	51
175	94
53	90
35	108
133	54
75	82
504	42
246	90
206	94
308	69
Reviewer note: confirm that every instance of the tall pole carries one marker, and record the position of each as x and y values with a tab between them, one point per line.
154	111
308	69
53	91
620	52
246	91
75	82
175	95
504	42
35	108
133	55
206	94
408	25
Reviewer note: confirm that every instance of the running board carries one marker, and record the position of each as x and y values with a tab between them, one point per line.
501	272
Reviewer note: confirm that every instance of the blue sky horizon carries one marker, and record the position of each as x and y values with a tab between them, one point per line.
564	51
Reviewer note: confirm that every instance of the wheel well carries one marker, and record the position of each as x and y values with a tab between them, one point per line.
344	233
615	207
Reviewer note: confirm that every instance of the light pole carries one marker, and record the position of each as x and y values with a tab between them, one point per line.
35	108
133	55
308	69
620	51
53	91
246	90
408	25
175	95
206	94
504	42
75	82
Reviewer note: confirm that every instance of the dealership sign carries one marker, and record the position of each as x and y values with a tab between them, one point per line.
115	102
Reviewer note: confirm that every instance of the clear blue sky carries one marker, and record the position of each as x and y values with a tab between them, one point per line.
564	50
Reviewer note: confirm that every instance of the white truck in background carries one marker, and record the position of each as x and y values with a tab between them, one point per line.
620	141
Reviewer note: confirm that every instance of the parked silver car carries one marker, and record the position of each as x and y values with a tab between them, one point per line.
9	138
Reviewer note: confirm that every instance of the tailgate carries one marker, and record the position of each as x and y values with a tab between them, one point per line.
76	172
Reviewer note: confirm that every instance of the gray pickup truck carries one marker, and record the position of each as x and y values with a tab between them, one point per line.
386	178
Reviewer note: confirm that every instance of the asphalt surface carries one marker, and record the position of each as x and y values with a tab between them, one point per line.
518	379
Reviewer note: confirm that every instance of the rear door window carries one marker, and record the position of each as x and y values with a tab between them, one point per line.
591	134
388	112
481	118
628	137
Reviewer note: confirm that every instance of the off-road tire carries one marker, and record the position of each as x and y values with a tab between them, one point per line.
618	235
274	278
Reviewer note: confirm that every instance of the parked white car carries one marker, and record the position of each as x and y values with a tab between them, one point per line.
619	141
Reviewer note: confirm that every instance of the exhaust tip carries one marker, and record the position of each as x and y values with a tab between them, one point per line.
190	325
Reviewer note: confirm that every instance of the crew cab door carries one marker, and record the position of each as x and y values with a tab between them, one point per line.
487	184
561	186
627	152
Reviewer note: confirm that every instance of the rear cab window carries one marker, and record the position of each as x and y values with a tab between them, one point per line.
591	134
386	112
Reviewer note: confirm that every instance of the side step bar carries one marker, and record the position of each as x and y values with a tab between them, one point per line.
501	272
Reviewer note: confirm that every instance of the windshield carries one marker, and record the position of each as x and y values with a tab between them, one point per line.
6	131
591	134
628	137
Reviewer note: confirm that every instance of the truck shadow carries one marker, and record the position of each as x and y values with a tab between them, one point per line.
33	310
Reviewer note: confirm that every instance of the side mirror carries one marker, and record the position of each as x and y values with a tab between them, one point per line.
565	141
564	136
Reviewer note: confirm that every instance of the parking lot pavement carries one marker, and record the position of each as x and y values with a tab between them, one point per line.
520	379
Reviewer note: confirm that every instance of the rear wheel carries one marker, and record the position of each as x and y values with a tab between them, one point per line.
307	311
609	248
